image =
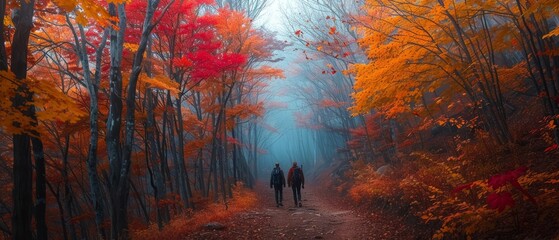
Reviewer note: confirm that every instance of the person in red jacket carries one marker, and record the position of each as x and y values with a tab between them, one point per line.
296	180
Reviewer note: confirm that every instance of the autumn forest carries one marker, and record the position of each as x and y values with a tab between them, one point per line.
163	119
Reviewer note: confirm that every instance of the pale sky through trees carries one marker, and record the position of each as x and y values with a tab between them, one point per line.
282	143
272	17
162	119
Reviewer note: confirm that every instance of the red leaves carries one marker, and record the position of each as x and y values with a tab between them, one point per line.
514	42
182	62
331	71
332	31
298	33
500	200
231	61
552	148
500	180
510	177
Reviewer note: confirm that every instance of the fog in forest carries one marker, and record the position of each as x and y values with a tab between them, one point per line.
163	119
288	134
287	141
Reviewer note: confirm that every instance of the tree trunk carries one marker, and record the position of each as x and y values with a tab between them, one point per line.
114	121
93	89
156	177
56	195
68	193
22	167
120	170
40	189
179	164
3	53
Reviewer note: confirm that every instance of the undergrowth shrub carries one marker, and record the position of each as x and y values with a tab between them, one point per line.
506	204
369	185
482	191
180	227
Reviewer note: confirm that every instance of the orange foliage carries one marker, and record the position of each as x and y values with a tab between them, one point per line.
180	227
434	189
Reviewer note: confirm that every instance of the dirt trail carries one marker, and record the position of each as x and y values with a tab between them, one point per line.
321	217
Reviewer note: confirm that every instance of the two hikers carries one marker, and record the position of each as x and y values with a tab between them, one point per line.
295	180
277	181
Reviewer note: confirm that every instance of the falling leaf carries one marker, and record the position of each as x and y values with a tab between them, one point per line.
551	148
332	31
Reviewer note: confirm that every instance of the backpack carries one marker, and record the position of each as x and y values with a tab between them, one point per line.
276	176
297	176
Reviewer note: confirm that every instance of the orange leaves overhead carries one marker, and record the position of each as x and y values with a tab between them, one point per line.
51	104
8	114
86	10
65	5
267	72
327	103
160	82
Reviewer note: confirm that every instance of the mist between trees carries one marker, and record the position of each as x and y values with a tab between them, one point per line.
120	118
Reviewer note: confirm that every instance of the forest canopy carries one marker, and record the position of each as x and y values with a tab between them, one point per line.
142	118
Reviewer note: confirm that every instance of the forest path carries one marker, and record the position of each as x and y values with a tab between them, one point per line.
322	216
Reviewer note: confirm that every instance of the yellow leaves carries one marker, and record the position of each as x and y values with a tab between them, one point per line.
132	47
409	55
551	125
80	19
85	10
54	105
9	114
66	5
50	104
160	82
8	21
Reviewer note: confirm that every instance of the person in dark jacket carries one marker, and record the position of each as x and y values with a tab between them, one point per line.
277	181
296	180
